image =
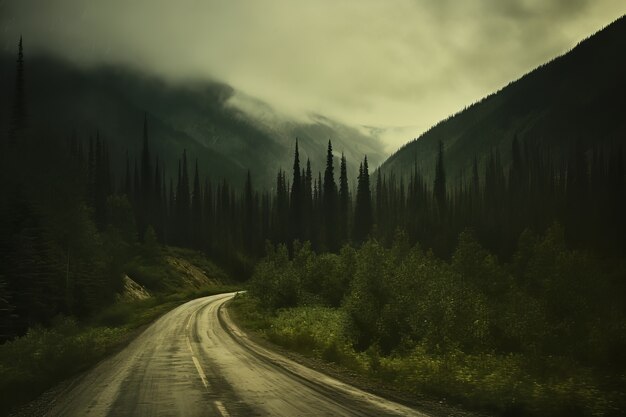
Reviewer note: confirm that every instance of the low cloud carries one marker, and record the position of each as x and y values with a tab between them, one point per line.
397	66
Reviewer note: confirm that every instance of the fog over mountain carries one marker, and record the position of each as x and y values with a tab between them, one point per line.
576	99
200	117
392	70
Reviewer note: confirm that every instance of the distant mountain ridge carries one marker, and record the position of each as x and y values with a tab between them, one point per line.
579	96
196	116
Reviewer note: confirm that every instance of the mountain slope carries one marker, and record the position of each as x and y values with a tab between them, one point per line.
197	116
578	96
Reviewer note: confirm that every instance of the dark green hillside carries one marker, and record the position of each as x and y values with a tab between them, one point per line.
578	96
196	116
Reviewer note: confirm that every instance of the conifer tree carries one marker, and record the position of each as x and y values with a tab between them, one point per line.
475	178
145	194
344	202
171	212
296	200
99	183
127	181
379	198
329	198
91	174
208	215
363	208
196	209
439	187
281	218
249	221
18	117
146	166
183	201
157	207
516	170
308	201
136	184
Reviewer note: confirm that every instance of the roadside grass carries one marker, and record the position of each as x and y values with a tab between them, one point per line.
45	356
506	385
153	271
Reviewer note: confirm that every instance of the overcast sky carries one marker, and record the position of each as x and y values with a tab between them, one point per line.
397	66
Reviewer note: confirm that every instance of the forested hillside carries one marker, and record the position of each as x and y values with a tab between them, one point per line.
502	288
578	97
194	115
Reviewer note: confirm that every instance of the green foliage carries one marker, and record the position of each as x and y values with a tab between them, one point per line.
307	279
312	330
150	247
122	217
46	355
207	265
275	281
541	335
368	294
43	356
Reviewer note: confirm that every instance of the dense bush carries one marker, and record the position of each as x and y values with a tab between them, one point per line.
541	334
43	356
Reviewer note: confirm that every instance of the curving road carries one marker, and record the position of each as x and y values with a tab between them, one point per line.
194	361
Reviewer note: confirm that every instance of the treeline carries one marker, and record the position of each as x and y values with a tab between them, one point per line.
582	189
187	209
68	220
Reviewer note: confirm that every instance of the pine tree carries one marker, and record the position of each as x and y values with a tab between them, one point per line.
183	201
157	207
196	209
172	223
439	187
344	202
207	215
296	200
145	194
127	181
100	183
516	171
329	198
249	220
308	202
91	171
363	218
281	212
136	184
475	178
146	166
18	117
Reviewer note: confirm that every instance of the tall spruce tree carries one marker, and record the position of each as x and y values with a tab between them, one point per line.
127	179
363	217
136	183
99	184
183	201
157	207
296	199
196	209
329	198
146	191
18	116
439	186
344	202
249	220
208	215
308	201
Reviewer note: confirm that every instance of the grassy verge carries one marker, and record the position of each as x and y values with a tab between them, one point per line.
43	357
508	385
